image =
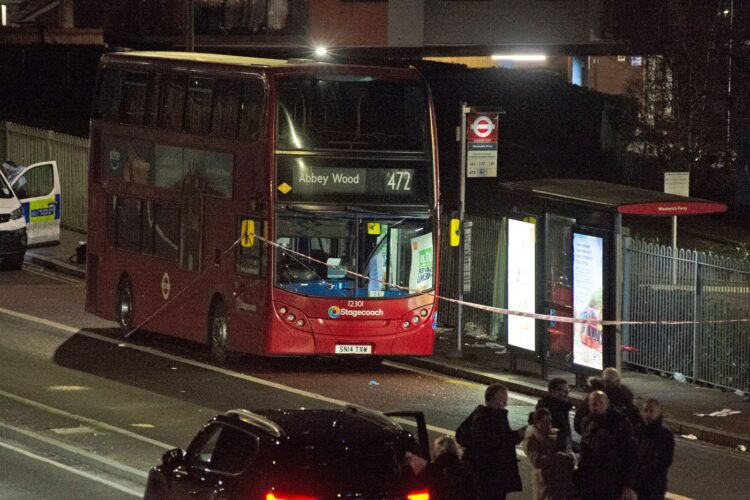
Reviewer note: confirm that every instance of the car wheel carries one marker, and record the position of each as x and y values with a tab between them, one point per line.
218	331
15	262
125	306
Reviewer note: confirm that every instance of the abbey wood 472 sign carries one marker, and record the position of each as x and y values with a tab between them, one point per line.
481	144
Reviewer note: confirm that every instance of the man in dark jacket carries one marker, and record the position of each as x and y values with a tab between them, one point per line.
654	453
559	407
491	450
607	467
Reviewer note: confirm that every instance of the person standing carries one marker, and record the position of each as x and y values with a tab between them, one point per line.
607	467
491	446
654	453
620	396
552	470
559	408
448	476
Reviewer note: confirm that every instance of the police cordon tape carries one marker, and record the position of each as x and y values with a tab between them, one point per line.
501	310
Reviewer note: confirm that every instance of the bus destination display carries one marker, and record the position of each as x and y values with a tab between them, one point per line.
296	182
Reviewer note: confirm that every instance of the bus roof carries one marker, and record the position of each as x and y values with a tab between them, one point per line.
241	61
208	58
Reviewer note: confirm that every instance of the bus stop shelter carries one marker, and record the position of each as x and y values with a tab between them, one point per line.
563	258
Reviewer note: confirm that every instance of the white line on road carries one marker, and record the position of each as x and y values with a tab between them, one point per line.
86	420
85	474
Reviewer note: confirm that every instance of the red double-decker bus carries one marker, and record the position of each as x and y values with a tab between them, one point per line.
333	167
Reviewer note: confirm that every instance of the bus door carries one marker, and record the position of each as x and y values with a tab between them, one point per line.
38	189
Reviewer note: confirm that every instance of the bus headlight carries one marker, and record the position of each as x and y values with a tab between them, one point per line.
415	320
405	324
291	317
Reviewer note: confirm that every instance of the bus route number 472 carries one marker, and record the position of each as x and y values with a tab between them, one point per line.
399	180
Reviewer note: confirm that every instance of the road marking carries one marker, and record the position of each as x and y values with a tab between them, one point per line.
67	468
90	421
40	271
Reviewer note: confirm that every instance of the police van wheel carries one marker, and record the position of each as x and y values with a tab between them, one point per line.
218	331
125	305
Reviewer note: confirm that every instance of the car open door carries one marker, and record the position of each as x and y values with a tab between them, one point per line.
38	188
420	423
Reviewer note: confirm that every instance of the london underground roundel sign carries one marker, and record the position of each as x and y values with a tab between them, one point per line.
483	127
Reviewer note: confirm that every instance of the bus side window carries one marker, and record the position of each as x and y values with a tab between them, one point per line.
250	260
152	98
226	107
198	106
251	109
107	101
173	91
135	85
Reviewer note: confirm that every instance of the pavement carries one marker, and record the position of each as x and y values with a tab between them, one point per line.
690	410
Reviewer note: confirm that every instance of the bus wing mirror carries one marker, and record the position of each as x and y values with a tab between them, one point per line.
247	233
455	234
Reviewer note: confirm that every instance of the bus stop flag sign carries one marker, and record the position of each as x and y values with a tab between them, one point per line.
481	144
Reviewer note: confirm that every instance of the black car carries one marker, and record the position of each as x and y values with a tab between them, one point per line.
300	454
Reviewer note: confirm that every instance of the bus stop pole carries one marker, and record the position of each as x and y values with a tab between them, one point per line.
458	353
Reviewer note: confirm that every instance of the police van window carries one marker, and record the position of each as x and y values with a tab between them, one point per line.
38	181
134	90
226	108
251	108
107	100
173	89
198	106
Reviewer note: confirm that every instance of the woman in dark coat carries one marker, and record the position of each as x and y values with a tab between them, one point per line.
448	477
654	453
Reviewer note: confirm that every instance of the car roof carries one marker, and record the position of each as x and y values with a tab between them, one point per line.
316	425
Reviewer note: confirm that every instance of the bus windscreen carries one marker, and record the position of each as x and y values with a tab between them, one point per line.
353	113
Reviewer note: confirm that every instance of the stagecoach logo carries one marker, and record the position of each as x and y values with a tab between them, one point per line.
165	286
335	312
114	159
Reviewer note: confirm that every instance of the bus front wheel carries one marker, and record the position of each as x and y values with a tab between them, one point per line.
218	331
125	305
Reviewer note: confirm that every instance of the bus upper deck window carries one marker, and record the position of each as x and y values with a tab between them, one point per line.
173	91
107	103
134	90
251	108
226	108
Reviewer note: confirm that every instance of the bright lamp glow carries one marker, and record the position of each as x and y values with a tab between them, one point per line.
519	57
321	51
3	15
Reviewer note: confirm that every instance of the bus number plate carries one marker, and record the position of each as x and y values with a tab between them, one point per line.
353	349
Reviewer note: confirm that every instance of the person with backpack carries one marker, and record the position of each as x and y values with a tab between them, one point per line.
448	476
490	445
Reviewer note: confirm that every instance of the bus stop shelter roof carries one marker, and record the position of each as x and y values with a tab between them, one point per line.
615	197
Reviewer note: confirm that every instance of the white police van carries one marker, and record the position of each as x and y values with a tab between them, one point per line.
30	209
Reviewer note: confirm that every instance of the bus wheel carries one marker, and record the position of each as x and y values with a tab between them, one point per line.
125	305
218	331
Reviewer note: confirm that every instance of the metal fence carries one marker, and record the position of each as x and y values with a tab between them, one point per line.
27	145
687	286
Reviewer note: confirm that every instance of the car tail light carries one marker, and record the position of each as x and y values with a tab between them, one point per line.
419	495
278	495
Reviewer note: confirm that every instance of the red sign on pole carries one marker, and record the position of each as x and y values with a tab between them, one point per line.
481	144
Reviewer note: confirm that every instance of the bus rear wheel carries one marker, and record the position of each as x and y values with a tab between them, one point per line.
125	305
218	331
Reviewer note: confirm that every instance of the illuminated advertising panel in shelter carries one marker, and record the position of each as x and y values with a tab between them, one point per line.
588	288
521	283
